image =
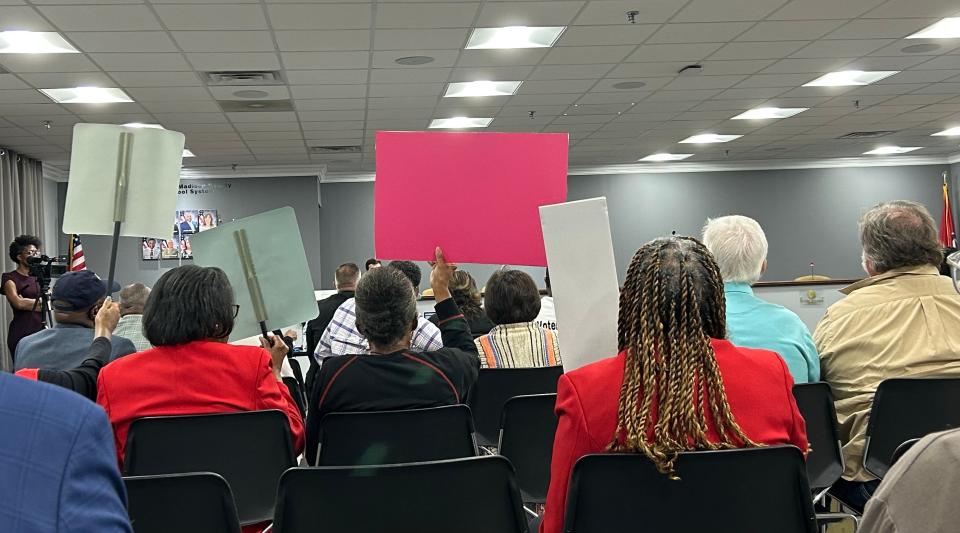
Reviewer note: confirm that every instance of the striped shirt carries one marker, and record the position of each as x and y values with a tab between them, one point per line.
523	345
342	337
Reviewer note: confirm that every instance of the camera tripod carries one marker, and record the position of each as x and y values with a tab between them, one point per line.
43	272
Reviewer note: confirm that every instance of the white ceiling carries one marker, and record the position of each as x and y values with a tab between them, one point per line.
338	60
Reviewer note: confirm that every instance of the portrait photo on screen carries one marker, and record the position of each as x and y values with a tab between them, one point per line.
170	248
207	219
186	251
186	222
151	248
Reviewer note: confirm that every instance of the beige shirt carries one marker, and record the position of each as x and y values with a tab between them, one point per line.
918	493
902	323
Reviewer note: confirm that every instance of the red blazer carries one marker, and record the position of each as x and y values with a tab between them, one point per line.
758	386
194	378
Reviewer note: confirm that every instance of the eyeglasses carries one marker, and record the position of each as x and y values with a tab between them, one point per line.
236	310
954	261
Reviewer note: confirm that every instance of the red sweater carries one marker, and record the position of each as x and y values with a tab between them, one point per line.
195	378
758	386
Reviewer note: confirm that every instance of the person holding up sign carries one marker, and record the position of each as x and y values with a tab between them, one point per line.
392	376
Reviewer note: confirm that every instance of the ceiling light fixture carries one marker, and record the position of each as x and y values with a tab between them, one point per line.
413	60
87	95
890	150
624	85
768	113
187	153
34	42
708	138
142	125
949	132
665	157
460	122
514	37
948	28
463	89
845	78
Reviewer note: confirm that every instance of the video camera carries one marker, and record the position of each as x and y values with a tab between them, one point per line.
45	268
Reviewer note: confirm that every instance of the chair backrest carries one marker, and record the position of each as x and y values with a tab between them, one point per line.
472	495
526	439
825	460
389	437
729	491
497	385
904	409
200	502
250	449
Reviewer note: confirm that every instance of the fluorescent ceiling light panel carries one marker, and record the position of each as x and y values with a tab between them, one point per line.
463	89
460	122
34	42
948	28
890	150
87	95
187	153
949	132
845	78
666	157
514	37
767	113
708	138
142	125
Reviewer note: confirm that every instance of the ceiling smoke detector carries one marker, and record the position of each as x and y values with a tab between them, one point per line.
413	60
246	77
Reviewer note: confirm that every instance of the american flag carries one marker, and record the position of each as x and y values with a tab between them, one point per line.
76	254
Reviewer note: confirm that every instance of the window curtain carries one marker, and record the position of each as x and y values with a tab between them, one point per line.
21	212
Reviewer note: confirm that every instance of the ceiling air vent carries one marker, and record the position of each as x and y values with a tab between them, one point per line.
252	106
866	134
244	77
336	149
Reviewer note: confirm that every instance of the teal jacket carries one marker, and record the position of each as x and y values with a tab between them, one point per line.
754	323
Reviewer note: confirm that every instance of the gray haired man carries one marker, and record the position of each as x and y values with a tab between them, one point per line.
132	299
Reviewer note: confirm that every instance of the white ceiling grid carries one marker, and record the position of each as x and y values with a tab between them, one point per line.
337	58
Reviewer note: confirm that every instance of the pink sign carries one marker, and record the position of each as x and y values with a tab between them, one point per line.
477	195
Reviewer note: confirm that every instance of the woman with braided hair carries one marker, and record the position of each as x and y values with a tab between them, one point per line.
677	384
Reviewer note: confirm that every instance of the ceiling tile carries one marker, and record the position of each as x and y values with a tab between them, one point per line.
46	63
879	29
547	13
323	40
331	104
775	80
846	48
699	32
800	30
224	41
442	58
811	66
493	58
606	35
23	18
191	118
758	50
101	18
320	17
182	106
212	17
614	12
9	81
572	72
263	116
726	10
673	52
327	91
328	115
155	79
322	60
555	86
405	89
824	9
586	55
167	94
491	73
433	15
140	62
234	61
327	76
422	38
52	80
128	41
895	9
703	82
410	102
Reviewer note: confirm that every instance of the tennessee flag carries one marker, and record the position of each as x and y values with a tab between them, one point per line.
948	235
77	261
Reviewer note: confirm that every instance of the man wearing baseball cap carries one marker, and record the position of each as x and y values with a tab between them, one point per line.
76	298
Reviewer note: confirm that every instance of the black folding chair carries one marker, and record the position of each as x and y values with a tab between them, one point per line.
472	495
251	450
200	502
825	459
902	449
497	385
526	439
293	386
904	409
729	491
389	437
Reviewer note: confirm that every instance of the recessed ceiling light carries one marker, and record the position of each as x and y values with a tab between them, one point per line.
514	37
888	150
708	138
187	153
920	48
850	77
87	95
766	113
948	28
666	157
34	42
629	85
460	122
949	132
413	60
463	89
142	125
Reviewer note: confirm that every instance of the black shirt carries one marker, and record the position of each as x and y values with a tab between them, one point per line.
326	307
400	380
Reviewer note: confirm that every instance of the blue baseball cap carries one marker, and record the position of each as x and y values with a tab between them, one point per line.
76	291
